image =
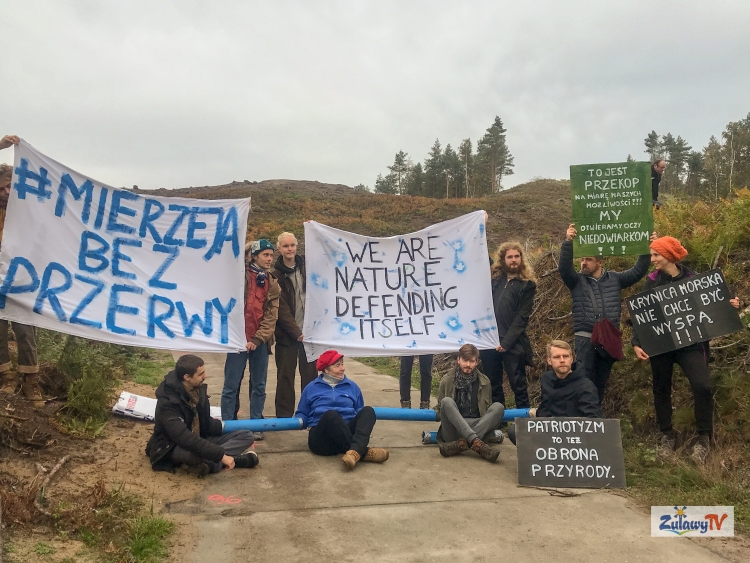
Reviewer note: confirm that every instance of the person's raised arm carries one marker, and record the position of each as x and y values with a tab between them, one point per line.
567	271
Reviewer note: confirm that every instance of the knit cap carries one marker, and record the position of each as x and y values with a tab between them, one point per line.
670	248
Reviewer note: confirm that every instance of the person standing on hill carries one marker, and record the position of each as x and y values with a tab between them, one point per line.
290	272
28	366
513	290
261	311
657	169
666	255
596	299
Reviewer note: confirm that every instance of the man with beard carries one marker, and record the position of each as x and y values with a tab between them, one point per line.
596	297
513	290
566	391
464	409
290	272
28	366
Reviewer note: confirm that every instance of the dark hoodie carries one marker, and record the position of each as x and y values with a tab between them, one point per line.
287	329
173	423
573	396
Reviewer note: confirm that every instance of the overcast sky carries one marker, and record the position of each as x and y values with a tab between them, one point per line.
187	93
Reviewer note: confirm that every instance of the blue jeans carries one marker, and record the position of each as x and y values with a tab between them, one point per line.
234	371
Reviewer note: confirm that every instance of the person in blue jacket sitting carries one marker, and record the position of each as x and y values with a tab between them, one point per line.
333	410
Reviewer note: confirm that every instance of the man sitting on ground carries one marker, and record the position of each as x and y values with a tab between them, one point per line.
465	410
566	391
185	433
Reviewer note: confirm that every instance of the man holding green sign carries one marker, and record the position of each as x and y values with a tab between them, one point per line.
612	215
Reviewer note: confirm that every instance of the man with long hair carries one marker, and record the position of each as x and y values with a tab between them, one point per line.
513	290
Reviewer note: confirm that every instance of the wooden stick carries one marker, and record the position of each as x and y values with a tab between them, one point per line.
40	493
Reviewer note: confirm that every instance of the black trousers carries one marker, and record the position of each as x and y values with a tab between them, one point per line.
425	377
333	435
694	366
287	358
493	363
234	443
596	367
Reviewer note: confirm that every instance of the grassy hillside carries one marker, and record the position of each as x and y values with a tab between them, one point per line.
534	210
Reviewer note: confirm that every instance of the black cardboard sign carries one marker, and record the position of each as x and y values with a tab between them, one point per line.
694	309
570	452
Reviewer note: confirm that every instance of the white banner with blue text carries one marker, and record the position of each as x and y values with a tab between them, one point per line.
422	293
83	258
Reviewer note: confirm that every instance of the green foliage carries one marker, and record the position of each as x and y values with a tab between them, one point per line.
449	173
721	167
43	549
151	369
146	538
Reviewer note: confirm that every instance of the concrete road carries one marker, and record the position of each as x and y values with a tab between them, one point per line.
418	506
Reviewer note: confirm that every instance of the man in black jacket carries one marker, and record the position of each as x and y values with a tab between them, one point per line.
185	433
596	296
566	391
657	169
513	289
290	272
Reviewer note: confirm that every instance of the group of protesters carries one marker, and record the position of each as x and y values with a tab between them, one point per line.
470	402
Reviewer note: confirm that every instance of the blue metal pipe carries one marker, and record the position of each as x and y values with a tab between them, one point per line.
382	413
414	415
263	424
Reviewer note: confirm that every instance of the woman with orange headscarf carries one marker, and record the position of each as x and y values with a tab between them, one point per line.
666	255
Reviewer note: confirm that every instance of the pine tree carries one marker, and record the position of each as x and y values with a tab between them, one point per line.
400	169
653	146
385	184
415	180
433	171
466	156
493	157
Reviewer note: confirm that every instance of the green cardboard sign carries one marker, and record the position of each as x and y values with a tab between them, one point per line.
612	208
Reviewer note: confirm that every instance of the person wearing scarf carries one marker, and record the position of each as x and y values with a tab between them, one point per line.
666	255
465	409
332	407
261	312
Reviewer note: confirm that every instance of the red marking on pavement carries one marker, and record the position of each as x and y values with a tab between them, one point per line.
219	499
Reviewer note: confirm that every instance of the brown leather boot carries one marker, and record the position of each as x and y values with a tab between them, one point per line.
487	452
424	404
377	455
405	404
31	391
350	459
448	449
8	382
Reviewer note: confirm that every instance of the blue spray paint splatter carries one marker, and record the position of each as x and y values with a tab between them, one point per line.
318	281
458	246
412	345
441	335
453	323
346	329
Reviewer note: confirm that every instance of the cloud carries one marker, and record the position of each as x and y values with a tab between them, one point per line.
182	93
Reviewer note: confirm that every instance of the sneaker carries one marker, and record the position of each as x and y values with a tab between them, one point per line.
667	445
350	459
448	449
700	451
376	455
199	470
424	404
487	452
259	436
249	460
405	404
